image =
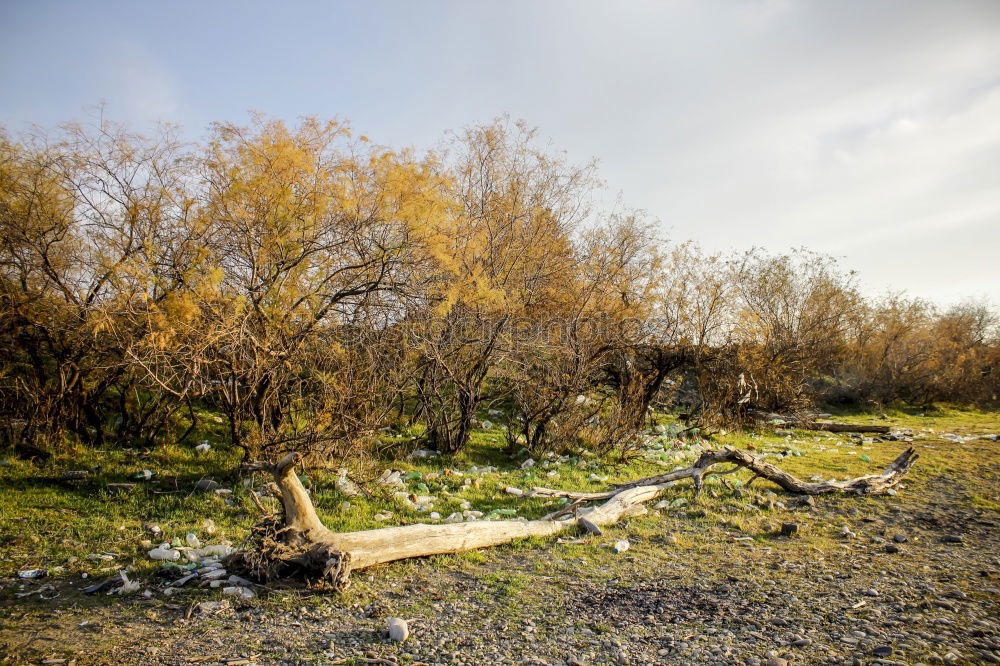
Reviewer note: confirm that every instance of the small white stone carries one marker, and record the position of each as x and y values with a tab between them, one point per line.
398	631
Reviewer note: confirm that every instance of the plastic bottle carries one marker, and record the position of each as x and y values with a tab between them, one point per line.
161	553
621	546
192	540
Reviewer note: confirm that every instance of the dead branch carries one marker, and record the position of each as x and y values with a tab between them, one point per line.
301	544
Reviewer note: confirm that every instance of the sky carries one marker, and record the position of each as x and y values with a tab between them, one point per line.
865	129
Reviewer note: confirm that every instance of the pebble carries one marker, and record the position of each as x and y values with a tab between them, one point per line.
398	629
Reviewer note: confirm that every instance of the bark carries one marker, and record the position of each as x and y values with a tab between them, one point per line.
302	544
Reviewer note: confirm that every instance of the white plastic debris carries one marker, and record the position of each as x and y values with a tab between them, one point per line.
31	573
435	515
208	527
192	540
214	574
621	546
183	580
345	485
128	586
454	518
528	464
164	552
204	447
516	492
398	630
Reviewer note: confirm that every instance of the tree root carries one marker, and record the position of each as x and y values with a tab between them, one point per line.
300	545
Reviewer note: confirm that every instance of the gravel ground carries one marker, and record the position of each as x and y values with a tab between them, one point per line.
712	599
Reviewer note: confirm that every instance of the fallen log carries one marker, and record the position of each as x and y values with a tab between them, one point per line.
843	427
299	543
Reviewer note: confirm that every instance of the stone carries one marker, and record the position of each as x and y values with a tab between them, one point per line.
398	629
776	661
953	538
899	538
891	548
789	529
207	485
882	651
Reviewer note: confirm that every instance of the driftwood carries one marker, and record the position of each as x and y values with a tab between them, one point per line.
843	427
300	544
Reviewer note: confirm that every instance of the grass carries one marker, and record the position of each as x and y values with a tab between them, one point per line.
71	529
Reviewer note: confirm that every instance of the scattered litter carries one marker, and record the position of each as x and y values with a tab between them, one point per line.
516	492
345	485
74	475
31	573
621	546
183	580
528	464
100	587
192	540
42	591
128	586
208	526
165	552
422	453
144	475
572	542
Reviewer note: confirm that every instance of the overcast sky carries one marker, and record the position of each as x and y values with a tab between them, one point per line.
869	130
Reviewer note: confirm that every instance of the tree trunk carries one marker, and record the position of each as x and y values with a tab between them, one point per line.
301	544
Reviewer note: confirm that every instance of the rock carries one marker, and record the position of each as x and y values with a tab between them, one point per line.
802	642
212	606
899	538
882	651
891	548
789	529
953	538
528	464
207	485
776	661
398	630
